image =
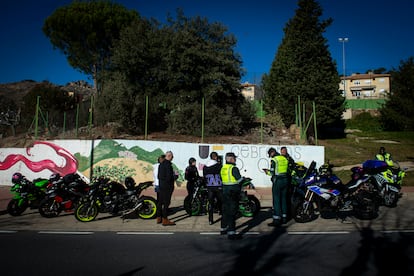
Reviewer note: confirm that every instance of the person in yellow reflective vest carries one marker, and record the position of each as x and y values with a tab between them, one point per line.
231	178
279	175
384	156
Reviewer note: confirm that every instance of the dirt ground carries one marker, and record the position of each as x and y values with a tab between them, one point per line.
254	137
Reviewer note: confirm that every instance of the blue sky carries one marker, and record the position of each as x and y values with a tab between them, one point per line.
380	33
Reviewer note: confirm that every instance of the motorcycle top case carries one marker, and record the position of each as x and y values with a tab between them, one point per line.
374	166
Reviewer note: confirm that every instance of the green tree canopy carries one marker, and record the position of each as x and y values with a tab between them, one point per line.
398	111
177	65
303	67
85	32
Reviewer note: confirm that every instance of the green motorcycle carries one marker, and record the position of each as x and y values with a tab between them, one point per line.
27	194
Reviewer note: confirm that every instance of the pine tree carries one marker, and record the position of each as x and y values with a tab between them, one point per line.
303	67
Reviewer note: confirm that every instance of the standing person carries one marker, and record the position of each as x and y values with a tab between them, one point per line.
382	155
156	180
191	175
291	162
212	177
278	172
231	178
166	178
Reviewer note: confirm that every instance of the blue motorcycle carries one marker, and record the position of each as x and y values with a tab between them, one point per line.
325	195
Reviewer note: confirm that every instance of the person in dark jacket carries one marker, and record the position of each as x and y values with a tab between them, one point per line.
191	175
212	177
166	177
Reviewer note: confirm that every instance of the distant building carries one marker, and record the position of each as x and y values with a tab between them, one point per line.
251	91
364	93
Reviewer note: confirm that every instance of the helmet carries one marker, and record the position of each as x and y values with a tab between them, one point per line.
17	177
129	182
54	177
271	150
191	160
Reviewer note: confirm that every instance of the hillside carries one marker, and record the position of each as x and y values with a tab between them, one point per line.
16	90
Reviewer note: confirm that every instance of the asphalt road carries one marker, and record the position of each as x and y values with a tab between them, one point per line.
364	252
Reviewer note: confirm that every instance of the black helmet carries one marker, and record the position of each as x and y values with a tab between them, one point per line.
271	150
54	177
17	177
191	160
129	182
230	154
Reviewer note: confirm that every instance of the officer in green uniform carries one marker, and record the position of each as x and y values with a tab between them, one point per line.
231	178
279	176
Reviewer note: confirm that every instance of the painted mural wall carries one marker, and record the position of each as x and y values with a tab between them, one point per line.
120	158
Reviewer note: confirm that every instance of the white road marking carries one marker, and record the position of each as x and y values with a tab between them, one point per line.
318	233
144	233
7	231
397	231
218	233
67	232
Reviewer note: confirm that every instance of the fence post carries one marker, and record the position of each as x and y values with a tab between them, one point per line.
146	117
37	116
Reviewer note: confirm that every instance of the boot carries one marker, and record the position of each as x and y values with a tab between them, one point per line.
166	222
159	220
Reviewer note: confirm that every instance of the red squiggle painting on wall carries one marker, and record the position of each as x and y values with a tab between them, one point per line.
70	164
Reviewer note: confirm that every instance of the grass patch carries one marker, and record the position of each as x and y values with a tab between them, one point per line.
360	146
357	148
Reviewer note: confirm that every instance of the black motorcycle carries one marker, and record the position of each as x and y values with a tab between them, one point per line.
197	203
62	194
116	199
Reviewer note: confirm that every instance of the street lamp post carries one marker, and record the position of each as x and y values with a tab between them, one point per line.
343	40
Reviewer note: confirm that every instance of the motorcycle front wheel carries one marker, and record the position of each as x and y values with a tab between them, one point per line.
48	208
16	208
251	207
86	212
192	206
304	212
390	198
148	210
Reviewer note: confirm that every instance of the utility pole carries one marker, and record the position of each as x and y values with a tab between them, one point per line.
343	40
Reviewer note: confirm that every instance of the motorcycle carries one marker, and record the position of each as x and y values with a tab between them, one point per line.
387	181
27	194
112	197
326	195
197	203
62	194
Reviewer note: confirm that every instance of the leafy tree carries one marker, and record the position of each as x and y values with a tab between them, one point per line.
53	102
303	67
204	64
381	70
85	32
133	76
398	111
176	65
